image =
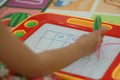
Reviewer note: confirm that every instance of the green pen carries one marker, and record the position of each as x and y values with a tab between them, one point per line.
97	23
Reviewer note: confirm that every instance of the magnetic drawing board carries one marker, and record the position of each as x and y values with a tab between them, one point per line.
51	35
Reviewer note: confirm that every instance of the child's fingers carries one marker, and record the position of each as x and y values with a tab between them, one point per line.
102	31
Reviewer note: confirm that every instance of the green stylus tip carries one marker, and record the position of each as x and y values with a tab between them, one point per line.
97	23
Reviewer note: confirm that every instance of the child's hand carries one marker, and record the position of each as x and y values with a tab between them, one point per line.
89	42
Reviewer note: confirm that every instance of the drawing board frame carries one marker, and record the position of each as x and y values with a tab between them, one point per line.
26	28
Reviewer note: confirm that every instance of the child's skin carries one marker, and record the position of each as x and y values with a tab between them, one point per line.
19	58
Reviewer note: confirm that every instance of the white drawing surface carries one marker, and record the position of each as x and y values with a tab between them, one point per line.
51	36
